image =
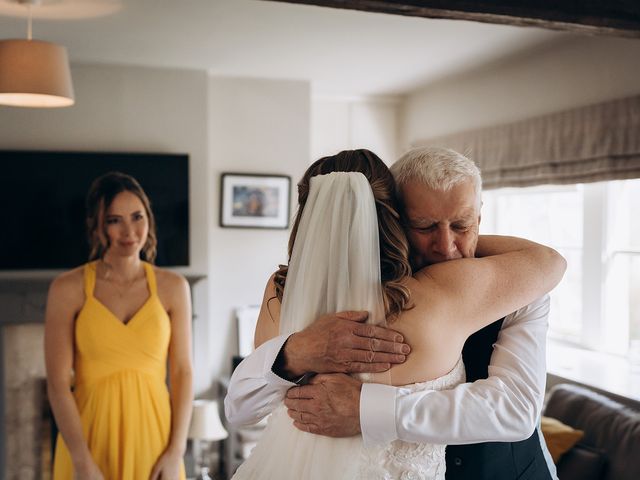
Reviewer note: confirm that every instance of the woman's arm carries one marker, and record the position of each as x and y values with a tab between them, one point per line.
64	301
489	245
476	291
268	324
177	295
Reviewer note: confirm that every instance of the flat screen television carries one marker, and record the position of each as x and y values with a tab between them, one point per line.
42	197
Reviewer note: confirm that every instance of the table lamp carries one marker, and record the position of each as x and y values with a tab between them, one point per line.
205	427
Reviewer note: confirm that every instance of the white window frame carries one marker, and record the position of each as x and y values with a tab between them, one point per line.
603	330
593	241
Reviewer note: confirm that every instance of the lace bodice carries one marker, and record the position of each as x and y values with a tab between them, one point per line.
401	460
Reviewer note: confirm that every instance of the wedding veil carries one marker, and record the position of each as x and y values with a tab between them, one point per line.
334	266
335	263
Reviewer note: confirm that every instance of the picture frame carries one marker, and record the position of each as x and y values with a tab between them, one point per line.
254	200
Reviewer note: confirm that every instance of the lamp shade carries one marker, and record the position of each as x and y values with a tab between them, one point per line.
205	421
34	73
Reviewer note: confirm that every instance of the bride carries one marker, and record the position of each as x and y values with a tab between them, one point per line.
348	251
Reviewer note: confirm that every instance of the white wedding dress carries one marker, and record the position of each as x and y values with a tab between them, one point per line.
335	266
405	460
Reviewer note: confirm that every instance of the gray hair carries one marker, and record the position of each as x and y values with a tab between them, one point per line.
437	168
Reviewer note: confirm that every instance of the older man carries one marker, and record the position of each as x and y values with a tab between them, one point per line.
489	423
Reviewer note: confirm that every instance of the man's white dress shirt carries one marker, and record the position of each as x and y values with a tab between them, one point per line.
505	407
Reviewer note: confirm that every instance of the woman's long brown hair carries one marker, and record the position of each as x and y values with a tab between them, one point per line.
101	193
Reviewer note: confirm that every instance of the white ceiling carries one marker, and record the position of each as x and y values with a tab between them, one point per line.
341	52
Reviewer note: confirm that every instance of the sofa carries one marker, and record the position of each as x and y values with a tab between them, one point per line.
610	447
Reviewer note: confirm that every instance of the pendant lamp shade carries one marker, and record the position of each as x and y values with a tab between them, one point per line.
34	73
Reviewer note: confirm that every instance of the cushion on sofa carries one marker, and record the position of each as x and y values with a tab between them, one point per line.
559	437
608	426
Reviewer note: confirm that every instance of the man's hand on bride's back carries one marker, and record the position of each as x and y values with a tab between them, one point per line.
342	343
329	405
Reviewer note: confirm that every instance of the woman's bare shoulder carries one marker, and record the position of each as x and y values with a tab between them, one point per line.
69	280
419	285
68	287
271	284
439	279
170	284
169	277
426	301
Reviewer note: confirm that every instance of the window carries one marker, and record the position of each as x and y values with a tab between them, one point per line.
596	227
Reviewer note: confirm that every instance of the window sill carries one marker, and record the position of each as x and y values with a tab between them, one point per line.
607	373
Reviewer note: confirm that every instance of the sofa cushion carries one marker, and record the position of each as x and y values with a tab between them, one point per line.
558	436
607	426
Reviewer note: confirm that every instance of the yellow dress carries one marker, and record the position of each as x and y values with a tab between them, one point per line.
120	388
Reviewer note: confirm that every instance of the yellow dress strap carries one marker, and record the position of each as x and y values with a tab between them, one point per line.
89	278
151	278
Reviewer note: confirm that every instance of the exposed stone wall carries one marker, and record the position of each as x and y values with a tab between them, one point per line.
26	418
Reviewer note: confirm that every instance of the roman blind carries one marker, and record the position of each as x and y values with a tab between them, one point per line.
586	144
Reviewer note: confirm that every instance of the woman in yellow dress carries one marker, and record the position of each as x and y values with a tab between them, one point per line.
110	327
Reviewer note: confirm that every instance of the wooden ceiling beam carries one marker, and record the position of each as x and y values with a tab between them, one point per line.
604	17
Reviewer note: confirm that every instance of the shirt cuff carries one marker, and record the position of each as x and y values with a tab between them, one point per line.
273	348
378	414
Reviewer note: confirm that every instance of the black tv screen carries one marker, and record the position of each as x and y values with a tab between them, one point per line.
42	197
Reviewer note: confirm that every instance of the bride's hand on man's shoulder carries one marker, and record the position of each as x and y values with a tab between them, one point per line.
342	343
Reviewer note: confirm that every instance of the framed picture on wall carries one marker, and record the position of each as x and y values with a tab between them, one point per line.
254	200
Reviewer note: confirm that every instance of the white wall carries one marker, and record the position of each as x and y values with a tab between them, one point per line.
572	72
256	126
348	123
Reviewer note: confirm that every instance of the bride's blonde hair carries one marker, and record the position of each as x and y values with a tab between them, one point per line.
394	248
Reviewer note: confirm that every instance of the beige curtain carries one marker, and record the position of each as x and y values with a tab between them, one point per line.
587	144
